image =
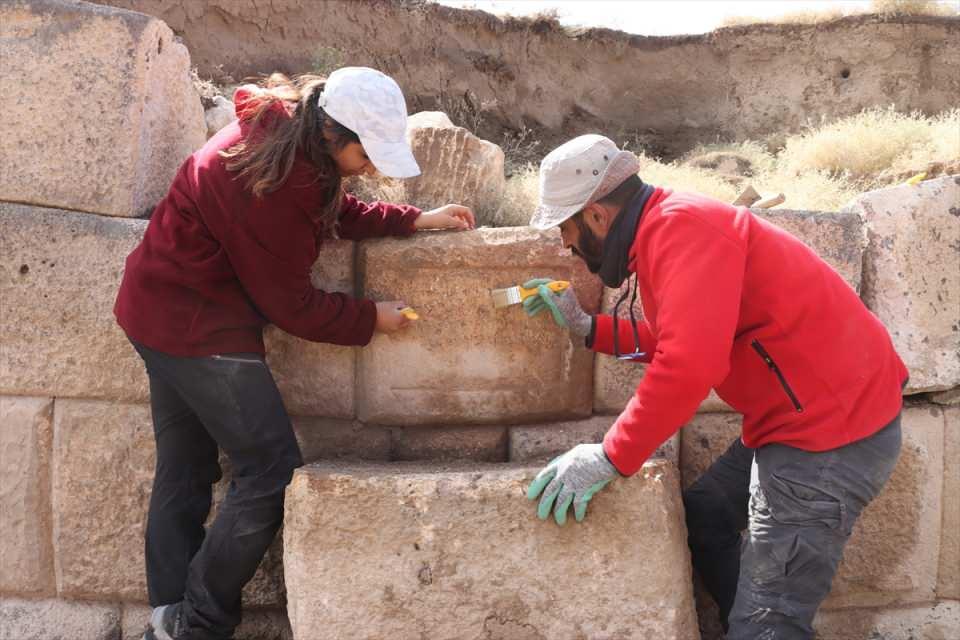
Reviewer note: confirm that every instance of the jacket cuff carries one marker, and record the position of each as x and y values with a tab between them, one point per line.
367	323
410	218
588	341
609	457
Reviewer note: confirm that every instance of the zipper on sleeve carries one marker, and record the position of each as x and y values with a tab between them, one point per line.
773	367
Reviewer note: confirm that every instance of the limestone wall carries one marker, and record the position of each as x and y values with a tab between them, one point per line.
411	521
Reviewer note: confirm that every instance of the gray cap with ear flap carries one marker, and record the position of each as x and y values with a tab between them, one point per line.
578	173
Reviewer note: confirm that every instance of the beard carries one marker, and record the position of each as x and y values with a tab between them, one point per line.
589	248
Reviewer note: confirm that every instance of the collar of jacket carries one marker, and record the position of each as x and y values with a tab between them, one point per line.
614	265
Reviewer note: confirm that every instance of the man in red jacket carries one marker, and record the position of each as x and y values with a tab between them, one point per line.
736	304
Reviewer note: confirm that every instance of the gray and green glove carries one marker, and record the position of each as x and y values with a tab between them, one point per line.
564	307
573	478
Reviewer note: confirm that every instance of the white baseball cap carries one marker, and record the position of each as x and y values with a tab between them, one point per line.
371	104
578	173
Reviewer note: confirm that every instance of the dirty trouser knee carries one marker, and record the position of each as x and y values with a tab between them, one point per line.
803	506
716	513
236	400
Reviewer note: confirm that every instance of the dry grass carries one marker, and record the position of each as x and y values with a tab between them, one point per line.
682	177
886	8
875	140
207	89
520	198
915	7
820	169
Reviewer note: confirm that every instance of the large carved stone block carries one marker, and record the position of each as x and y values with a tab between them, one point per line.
458	552
911	276
104	110
465	362
59	274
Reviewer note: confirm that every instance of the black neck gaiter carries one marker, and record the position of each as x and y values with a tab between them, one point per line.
623	232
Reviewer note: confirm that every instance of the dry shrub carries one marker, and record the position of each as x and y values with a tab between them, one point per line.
520	197
206	88
821	169
809	191
915	7
792	17
681	177
870	142
749	153
887	8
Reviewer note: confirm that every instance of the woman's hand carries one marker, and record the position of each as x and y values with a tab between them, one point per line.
449	216
389	318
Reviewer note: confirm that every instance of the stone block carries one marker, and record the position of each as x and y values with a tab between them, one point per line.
110	139
940	621
102	476
948	580
326	439
475	443
838	238
425	570
702	441
455	165
258	624
26	547
911	279
59	273
541	442
950	397
893	554
104	458
58	620
317	379
465	362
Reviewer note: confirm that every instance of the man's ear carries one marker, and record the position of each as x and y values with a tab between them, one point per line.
595	217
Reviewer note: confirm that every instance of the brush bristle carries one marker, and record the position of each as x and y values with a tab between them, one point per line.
505	297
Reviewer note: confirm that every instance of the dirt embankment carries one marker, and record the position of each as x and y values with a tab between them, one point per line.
668	92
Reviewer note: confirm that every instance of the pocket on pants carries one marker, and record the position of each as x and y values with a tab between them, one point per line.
799	503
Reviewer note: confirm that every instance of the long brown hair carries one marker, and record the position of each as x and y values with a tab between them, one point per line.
265	158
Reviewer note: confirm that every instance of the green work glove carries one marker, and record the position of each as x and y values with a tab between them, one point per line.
543	300
572	478
564	307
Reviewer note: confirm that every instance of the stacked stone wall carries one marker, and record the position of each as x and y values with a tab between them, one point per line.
412	520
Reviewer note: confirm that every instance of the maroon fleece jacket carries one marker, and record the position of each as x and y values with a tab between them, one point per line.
217	264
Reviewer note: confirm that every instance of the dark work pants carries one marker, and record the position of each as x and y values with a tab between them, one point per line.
198	404
798	508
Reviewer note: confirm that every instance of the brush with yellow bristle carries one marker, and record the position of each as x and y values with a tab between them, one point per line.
516	295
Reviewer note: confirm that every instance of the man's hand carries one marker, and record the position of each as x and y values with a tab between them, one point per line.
449	216
389	318
564	307
572	478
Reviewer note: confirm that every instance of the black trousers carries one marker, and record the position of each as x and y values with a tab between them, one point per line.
798	509
200	405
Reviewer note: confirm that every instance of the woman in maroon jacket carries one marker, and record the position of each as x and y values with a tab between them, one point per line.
229	250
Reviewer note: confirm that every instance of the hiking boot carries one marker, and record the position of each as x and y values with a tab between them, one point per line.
166	623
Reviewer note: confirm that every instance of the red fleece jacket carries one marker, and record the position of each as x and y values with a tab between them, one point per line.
217	264
734	303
